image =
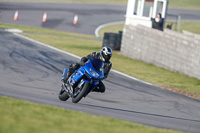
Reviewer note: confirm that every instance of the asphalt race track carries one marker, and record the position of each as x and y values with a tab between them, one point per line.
32	72
60	15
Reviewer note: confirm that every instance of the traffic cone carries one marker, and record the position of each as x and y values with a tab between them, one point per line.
16	15
44	19
75	19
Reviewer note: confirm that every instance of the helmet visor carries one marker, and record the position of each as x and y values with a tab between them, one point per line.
107	57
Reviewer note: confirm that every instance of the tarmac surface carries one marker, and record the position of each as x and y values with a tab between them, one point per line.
60	15
32	72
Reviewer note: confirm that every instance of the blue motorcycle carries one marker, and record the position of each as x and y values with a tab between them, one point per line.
82	81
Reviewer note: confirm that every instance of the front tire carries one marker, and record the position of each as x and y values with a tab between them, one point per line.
63	96
84	90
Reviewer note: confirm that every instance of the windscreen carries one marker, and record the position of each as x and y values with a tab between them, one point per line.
97	63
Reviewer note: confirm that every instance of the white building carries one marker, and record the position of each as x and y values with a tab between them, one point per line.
141	11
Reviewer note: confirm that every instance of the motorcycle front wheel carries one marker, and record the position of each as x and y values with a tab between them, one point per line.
82	93
63	96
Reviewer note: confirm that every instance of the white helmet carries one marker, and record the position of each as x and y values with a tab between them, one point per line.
106	53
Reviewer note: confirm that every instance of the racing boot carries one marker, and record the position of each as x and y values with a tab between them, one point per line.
100	87
65	76
67	72
97	89
64	80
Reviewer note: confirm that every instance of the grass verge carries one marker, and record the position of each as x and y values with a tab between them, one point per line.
82	45
19	116
193	27
189	4
112	28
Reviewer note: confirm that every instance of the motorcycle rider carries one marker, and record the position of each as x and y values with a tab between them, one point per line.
104	55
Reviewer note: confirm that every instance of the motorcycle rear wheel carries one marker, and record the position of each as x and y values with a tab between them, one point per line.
63	96
82	93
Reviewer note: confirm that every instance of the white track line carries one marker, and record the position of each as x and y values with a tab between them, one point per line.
46	45
13	30
75	56
104	25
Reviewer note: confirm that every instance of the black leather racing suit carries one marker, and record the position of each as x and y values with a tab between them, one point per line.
107	67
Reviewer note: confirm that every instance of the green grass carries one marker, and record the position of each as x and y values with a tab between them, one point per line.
155	75
112	28
193	27
19	116
86	44
190	4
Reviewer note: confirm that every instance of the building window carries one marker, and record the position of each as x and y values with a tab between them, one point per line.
136	7
159	7
148	8
143	8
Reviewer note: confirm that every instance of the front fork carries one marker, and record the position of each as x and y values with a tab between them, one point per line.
71	91
67	89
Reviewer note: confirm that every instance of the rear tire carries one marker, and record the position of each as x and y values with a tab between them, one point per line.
63	96
82	93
